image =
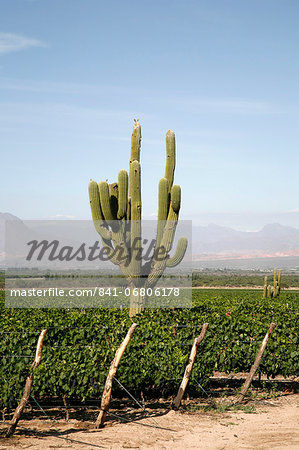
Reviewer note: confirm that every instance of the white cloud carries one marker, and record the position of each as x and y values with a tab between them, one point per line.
11	42
199	104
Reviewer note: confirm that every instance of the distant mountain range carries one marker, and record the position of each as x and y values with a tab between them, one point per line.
214	241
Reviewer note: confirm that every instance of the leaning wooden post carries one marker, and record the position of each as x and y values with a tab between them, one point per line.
254	367
188	370
28	385
106	397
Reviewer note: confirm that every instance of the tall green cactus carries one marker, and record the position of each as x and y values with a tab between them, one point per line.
272	291
279	280
116	213
265	287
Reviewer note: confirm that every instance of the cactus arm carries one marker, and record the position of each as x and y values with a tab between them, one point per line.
274	278
179	254
265	287
279	280
275	283
129	209
96	212
101	226
170	158
165	186
176	199
162	209
113	194
99	223
163	199
105	201
159	261
117	227
272	291
122	194
172	218
94	200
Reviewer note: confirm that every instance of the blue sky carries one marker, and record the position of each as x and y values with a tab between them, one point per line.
223	74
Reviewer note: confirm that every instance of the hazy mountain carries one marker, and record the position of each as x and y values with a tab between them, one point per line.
14	228
15	236
271	239
211	241
8	216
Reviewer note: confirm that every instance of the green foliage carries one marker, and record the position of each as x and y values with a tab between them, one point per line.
80	344
2	279
239	278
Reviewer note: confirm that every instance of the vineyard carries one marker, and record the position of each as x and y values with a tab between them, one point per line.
80	345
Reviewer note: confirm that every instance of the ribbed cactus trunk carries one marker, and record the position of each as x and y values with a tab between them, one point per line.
137	301
116	211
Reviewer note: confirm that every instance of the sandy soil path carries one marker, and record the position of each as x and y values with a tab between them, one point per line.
273	426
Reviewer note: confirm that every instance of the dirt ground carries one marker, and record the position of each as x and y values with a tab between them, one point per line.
260	424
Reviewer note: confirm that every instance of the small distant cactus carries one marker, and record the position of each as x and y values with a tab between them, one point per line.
272	291
116	212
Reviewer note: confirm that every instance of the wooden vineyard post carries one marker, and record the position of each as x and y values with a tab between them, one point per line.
66	407
28	385
106	397
188	370
255	365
